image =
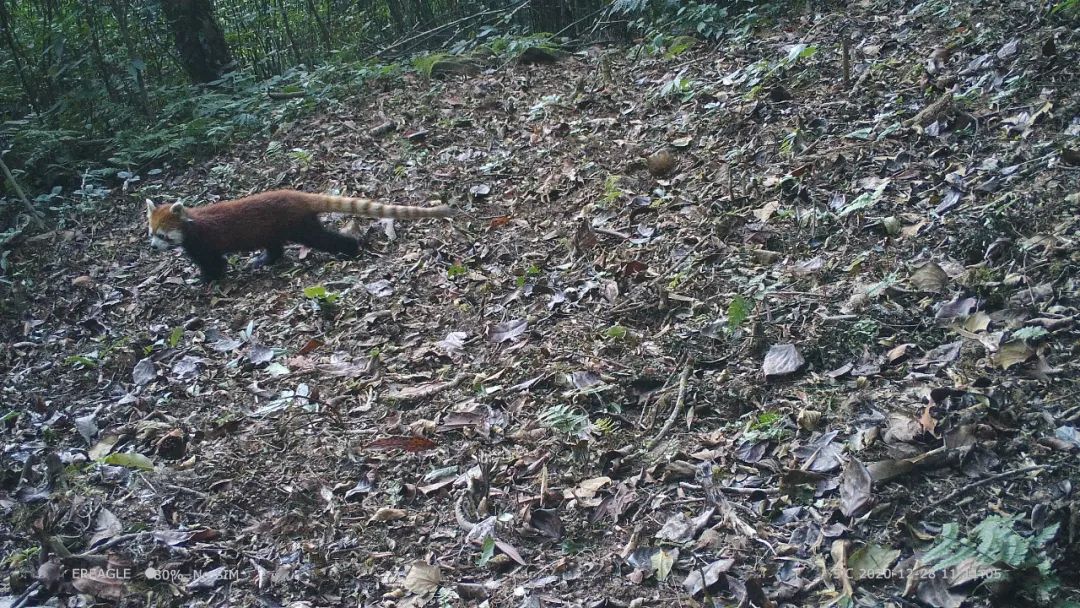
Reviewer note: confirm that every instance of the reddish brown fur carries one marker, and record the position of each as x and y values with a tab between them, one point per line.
267	221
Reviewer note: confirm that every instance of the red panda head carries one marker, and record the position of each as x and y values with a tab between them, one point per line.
165	223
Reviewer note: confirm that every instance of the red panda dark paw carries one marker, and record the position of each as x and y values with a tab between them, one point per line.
266	258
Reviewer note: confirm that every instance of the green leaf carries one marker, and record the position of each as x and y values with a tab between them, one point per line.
738	311
129	460
1046	535
319	292
1030	333
662	561
457	270
872	561
82	360
615	332
604	425
487	551
680	45
863	134
992	543
570	546
276	369
175	335
800	51
866	199
889	130
565	418
1065	5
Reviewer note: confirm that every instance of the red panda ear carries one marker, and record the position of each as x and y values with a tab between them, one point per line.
178	210
149	207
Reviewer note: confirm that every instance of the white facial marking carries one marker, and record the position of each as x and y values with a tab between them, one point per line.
164	239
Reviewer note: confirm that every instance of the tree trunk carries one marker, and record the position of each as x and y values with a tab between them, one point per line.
288	32
28	89
422	12
397	16
325	33
136	62
89	13
199	39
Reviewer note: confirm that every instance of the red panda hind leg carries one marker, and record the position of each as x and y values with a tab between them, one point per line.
268	257
316	236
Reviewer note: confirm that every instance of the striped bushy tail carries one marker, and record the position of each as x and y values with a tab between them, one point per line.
325	203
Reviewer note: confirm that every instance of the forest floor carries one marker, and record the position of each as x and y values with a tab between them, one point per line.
828	356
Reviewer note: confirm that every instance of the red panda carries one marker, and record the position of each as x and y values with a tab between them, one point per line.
266	221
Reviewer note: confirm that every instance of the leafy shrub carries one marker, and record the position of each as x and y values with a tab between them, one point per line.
999	549
711	21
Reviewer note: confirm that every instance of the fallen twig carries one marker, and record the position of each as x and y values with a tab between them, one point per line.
414	394
280	95
679	402
929	111
112	542
611	232
34	215
982	482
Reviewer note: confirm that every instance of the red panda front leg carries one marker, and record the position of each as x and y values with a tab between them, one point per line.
211	264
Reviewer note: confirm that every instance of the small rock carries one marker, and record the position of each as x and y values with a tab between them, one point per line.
764	256
779	93
479	191
84	282
538	54
444	67
172	445
382	129
809	419
660	163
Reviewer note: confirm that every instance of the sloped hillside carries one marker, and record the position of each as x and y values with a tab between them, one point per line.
724	326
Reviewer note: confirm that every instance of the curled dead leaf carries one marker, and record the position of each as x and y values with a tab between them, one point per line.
384	514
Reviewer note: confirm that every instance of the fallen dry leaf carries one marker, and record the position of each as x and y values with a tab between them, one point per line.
423	579
782	360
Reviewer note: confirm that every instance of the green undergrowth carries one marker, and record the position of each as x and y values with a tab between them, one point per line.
186	123
70	154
